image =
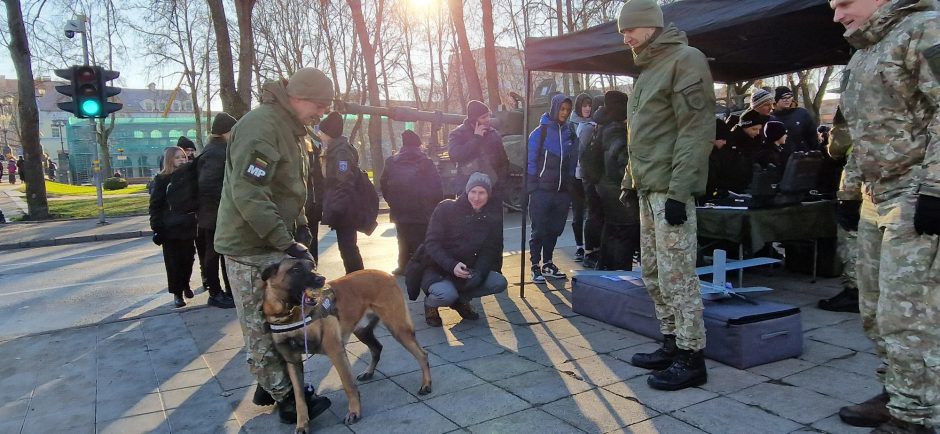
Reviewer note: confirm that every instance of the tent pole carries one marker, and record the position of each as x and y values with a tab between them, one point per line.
525	181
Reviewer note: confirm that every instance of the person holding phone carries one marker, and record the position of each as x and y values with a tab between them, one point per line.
477	146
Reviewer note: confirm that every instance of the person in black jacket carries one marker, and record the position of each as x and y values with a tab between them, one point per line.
412	188
342	172
211	169
798	121
20	164
316	186
620	239
173	230
463	247
478	147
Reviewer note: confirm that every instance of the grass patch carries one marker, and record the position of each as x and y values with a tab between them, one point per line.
88	208
54	189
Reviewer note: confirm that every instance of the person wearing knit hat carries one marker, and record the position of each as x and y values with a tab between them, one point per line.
331	126
775	133
262	218
762	101
800	124
668	160
210	168
188	146
341	175
771	152
461	253
783	98
476	146
751	122
411	186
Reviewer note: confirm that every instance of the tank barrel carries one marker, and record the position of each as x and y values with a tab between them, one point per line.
400	113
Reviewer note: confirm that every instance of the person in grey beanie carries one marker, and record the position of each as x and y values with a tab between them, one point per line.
461	251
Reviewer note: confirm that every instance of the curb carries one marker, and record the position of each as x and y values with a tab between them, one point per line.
75	240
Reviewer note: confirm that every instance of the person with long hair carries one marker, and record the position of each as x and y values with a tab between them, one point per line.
173	230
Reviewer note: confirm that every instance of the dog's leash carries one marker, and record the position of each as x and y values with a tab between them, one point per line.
326	305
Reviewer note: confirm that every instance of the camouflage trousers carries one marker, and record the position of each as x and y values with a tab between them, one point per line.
899	287
264	362
667	254
847	248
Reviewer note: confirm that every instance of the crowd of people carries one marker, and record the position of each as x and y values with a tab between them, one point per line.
631	170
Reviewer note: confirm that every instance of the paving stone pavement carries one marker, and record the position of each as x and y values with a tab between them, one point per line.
530	365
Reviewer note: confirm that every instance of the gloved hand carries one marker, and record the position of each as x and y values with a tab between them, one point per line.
626	197
675	212
303	235
848	213
157	239
299	251
927	215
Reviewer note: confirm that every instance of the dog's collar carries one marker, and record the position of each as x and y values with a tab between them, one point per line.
321	303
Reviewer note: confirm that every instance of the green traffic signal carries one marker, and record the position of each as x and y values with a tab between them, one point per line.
89	91
90	108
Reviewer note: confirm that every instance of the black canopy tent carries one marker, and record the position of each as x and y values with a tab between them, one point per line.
742	39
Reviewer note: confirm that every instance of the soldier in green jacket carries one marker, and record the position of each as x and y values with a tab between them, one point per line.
891	101
671	123
261	216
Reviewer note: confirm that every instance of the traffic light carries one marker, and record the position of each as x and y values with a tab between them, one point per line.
89	91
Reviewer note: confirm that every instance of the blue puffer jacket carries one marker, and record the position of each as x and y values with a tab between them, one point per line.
552	168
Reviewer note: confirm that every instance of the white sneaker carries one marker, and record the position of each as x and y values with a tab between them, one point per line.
537	275
550	270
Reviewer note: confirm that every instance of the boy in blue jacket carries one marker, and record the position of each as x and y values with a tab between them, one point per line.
552	157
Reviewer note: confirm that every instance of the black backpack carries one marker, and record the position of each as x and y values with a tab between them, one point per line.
182	193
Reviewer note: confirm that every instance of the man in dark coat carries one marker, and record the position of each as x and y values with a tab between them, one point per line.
798	121
412	188
620	238
342	172
478	147
316	186
211	170
463	248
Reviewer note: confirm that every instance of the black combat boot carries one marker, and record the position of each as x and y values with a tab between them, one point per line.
845	301
871	413
897	426
316	405
262	397
688	370
659	359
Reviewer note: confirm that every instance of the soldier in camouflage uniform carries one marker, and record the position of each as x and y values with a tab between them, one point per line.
839	147
671	123
261	216
890	98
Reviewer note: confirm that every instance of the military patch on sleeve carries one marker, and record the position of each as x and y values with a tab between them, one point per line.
932	55
259	169
343	166
694	96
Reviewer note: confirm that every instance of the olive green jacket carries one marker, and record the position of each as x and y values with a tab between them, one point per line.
263	194
671	120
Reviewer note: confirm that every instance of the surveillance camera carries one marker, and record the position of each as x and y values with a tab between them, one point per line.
69	34
72	27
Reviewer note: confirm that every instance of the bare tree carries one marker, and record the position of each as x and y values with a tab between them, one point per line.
28	113
368	58
489	54
236	97
475	89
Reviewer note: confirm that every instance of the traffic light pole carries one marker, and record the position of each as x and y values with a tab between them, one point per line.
96	167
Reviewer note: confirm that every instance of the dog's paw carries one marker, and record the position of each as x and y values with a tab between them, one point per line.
365	376
351	418
300	430
424	390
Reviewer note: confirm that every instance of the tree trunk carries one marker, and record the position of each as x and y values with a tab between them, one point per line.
368	56
821	92
28	114
236	99
489	54
474	88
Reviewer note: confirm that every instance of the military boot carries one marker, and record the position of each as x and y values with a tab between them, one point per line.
659	359
897	426
845	301
262	397
688	370
465	310
432	317
871	413
316	405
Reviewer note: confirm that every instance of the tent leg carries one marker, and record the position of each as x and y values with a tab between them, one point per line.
525	180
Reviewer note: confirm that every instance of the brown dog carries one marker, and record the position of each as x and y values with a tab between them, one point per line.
371	292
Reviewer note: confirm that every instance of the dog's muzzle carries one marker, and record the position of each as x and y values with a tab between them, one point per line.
316	304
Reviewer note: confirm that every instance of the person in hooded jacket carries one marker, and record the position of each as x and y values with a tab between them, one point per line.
620	238
173	230
551	161
462	249
771	153
735	170
590	159
584	129
211	170
797	120
412	188
342	173
476	146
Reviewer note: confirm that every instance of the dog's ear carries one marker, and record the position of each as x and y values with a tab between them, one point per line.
270	271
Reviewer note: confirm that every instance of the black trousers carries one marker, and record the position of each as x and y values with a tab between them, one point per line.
178	257
201	254
410	236
594	218
348	250
212	262
618	245
577	211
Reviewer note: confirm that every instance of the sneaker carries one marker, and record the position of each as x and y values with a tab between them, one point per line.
537	274
579	254
550	270
219	300
591	259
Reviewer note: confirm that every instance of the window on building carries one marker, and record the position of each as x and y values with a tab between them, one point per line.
147	105
188	106
156	134
174	134
191	133
138	134
56	132
177	107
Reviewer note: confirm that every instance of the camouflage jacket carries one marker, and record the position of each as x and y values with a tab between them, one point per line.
890	97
